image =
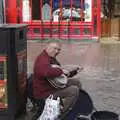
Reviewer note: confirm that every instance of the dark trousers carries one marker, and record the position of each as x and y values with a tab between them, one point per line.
69	95
83	106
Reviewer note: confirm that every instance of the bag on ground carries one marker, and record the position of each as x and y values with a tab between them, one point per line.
51	109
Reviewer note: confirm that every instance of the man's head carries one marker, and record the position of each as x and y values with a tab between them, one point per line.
53	49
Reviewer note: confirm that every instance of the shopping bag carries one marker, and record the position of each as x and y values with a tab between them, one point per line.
51	109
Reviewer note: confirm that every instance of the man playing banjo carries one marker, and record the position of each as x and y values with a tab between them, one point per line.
45	68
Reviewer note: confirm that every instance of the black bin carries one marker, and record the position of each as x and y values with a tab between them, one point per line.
13	70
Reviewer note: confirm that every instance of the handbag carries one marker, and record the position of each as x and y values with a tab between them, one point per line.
51	109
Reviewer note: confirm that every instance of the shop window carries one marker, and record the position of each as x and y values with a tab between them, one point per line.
61	10
67	10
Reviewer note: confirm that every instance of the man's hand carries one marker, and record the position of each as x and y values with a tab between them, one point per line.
80	68
66	72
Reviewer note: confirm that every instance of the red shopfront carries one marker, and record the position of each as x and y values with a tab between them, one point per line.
65	19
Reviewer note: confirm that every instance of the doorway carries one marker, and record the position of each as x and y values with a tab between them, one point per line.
110	18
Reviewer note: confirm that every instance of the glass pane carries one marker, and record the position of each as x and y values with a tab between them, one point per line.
88	10
46	10
56	10
67	10
72	10
77	4
66	3
36	10
26	15
56	4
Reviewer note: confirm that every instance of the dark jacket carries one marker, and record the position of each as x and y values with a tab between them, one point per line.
42	70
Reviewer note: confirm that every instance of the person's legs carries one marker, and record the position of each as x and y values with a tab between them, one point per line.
69	96
83	106
74	81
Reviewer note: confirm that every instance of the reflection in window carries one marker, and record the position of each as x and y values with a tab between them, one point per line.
69	10
65	10
46	11
36	10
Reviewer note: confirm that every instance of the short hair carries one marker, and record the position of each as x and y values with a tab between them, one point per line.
53	43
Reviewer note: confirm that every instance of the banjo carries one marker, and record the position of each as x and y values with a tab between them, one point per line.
62	80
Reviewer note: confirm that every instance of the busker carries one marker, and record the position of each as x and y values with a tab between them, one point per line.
43	69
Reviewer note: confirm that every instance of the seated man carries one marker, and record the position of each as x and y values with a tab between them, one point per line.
43	69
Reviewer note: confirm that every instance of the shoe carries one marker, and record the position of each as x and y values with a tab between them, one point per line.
82	117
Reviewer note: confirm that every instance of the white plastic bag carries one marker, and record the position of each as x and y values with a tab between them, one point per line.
51	109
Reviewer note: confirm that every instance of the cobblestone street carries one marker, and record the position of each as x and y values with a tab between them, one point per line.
101	74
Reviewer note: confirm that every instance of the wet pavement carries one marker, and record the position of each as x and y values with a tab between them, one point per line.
101	74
